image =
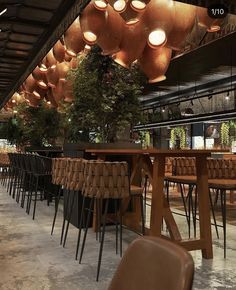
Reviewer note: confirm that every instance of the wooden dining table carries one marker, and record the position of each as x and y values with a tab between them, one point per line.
160	208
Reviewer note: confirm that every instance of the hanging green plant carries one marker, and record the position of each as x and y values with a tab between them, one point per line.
224	133
178	133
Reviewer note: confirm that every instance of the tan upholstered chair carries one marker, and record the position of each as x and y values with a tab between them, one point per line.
104	182
154	264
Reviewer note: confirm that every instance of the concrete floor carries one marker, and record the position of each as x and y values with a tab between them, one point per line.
31	259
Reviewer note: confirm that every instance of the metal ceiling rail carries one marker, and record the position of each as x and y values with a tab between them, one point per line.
224	115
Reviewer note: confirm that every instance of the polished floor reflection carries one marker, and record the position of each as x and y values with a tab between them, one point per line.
33	260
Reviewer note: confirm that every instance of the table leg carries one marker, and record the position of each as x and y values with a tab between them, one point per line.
204	206
157	208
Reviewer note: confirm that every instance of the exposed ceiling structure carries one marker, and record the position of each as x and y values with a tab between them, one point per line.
28	29
209	67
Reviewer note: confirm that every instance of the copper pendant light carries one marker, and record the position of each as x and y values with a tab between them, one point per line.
33	102
132	44
118	5
130	14
100	4
73	38
92	22
109	40
158	17
155	62
40	78
204	20
59	51
57	92
52	76
139	5
49	97
50	59
30	84
68	91
39	93
62	69
184	19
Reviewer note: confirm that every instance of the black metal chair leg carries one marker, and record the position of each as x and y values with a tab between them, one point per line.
185	208
102	240
86	228
116	223
69	217
57	200
65	215
142	215
35	197
80	228
213	214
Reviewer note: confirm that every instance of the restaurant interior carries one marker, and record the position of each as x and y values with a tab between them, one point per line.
117	144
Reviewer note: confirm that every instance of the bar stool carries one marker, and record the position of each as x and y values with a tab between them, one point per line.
103	181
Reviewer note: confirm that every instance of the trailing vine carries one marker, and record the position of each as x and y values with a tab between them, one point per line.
178	132
224	133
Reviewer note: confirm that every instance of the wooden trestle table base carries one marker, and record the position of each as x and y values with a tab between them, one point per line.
159	206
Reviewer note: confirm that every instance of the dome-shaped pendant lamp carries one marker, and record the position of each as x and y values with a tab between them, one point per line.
132	44
154	63
130	15
68	91
57	92
73	38
59	51
184	20
100	4
110	38
158	17
52	76
118	5
39	93
32	101
50	59
40	78
62	69
30	84
49	97
93	23
139	5
204	20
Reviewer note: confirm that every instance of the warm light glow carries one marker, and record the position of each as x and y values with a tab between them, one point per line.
158	79
15	111
119	6
48	102
214	28
43	68
71	53
157	38
42	84
13	101
100	5
3	11
36	94
90	36
132	21
120	62
138	5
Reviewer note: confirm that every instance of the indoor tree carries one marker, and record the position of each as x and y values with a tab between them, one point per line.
106	98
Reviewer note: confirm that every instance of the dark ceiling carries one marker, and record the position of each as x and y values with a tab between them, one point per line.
28	29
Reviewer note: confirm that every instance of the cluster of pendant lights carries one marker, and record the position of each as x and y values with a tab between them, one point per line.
128	30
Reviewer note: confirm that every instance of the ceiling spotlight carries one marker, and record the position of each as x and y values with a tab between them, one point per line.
157	38
163	110
3	10
227	97
192	102
209	97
